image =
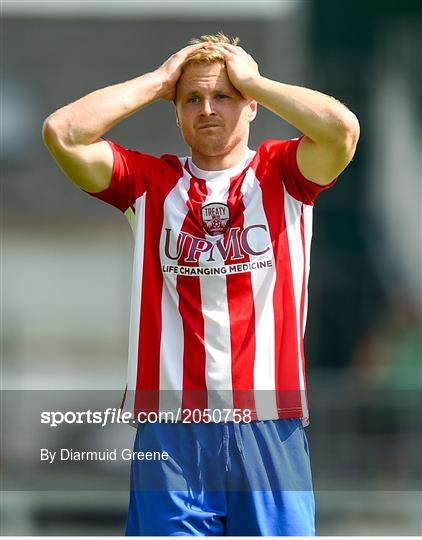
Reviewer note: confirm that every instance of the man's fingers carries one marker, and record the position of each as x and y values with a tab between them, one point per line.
235	49
190	48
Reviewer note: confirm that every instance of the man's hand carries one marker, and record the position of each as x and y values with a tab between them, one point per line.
331	130
242	69
171	70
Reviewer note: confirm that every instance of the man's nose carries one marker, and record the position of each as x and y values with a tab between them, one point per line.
207	107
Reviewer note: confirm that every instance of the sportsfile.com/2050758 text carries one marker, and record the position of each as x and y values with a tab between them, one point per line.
112	415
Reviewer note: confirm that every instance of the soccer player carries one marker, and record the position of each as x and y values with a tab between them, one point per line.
219	293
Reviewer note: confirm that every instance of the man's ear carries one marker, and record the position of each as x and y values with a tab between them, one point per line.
253	109
177	120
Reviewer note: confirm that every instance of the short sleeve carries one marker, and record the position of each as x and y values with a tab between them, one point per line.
299	187
131	170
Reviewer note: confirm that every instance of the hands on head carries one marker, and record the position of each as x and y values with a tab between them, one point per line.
241	67
172	69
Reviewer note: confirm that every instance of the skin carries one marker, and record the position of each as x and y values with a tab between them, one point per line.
213	116
73	133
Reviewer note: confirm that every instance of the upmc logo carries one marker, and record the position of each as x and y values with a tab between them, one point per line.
237	245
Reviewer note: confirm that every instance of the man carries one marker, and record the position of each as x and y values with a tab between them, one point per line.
219	293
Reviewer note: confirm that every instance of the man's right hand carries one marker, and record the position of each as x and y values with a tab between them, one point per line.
73	133
171	70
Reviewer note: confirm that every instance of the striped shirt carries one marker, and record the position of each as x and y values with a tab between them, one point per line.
220	274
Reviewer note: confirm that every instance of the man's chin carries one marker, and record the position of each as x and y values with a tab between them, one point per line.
212	147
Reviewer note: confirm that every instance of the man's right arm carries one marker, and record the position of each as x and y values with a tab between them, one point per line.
73	133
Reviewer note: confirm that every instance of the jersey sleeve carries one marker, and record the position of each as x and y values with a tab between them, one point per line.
299	187
131	173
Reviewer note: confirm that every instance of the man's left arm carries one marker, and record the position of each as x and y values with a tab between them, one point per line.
331	130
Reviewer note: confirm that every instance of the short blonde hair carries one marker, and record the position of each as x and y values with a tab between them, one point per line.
204	56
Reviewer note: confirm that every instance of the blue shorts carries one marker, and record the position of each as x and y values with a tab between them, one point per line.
222	479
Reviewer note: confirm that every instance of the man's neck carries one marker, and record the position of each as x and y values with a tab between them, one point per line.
221	162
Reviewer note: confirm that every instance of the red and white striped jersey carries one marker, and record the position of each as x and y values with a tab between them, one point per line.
220	273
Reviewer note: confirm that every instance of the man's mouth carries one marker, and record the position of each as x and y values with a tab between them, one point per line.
206	126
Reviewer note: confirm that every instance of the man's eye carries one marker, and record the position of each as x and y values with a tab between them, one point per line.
193	99
222	96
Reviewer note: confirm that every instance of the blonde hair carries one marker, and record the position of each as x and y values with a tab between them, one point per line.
204	56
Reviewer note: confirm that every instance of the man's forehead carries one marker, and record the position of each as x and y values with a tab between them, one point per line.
200	75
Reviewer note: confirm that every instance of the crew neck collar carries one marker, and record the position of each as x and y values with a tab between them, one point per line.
212	175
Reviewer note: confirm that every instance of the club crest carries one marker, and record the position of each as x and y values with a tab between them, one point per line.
215	218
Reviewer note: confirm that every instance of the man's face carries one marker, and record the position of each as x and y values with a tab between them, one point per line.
213	116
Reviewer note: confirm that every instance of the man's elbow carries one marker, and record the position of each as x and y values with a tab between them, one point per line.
55	131
349	135
51	132
48	132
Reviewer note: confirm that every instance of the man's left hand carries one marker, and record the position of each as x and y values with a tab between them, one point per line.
242	69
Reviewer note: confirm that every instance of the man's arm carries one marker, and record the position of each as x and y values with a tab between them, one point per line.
72	133
331	130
